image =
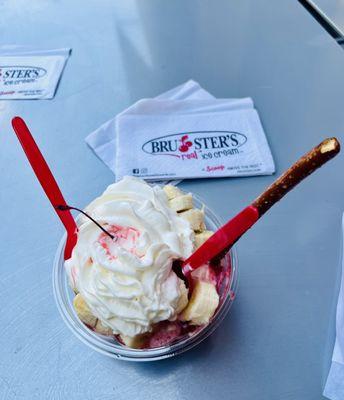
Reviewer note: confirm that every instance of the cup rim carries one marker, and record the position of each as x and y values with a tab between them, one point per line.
102	344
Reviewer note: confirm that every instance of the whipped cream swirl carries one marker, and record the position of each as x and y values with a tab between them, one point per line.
128	282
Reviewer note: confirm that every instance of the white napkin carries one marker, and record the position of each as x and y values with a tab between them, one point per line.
30	73
179	139
189	114
103	140
334	388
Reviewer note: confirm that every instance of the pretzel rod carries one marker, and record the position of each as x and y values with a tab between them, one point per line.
306	165
224	238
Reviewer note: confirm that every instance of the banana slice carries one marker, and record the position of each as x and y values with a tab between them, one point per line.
202	305
135	342
183	299
196	219
83	311
172	191
200	238
102	329
181	203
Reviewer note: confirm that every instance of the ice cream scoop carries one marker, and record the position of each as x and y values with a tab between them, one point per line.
127	281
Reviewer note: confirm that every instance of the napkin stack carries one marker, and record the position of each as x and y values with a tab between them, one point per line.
184	133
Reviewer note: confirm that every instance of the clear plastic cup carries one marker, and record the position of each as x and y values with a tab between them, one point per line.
107	344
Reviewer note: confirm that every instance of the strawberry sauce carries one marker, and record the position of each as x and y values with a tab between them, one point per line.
124	237
168	332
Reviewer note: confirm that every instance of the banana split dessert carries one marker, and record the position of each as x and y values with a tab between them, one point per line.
127	277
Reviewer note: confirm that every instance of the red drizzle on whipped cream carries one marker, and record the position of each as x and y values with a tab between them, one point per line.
124	237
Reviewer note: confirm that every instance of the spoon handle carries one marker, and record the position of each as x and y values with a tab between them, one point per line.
224	238
47	181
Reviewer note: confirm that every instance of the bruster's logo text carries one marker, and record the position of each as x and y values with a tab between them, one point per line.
15	75
194	145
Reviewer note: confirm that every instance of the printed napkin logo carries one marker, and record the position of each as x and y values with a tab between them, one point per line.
193	145
185	144
16	75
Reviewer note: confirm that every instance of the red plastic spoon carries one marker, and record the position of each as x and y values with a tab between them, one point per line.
47	182
223	239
